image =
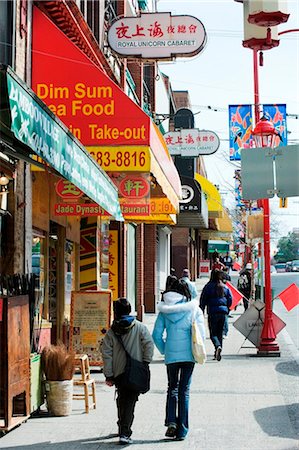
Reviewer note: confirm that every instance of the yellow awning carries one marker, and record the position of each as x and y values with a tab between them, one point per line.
153	159
224	223
224	229
165	219
214	201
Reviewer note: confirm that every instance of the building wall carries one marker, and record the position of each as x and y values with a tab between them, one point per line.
150	257
180	249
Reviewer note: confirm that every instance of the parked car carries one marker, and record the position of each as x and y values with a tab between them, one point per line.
288	266
273	269
280	267
295	266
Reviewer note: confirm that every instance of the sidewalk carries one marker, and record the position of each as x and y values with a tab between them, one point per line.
242	402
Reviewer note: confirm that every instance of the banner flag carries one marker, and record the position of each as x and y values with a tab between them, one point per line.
240	129
237	296
290	296
278	115
236	266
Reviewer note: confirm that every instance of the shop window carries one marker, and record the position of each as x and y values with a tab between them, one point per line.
131	265
104	252
69	273
38	269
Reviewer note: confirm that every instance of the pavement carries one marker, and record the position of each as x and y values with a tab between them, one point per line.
243	402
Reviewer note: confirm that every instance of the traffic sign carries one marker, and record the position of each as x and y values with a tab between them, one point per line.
257	173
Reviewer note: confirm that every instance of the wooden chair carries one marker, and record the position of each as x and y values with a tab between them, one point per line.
82	368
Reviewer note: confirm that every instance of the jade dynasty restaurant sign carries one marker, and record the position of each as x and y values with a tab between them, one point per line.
157	36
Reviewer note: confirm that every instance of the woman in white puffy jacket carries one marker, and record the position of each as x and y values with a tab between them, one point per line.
176	313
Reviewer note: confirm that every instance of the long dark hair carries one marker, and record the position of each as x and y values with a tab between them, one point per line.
216	277
181	287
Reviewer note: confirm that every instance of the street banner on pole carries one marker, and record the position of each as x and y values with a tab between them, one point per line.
277	114
240	129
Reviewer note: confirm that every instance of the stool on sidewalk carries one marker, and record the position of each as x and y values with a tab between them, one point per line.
82	367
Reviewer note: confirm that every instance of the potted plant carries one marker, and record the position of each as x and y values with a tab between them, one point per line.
58	367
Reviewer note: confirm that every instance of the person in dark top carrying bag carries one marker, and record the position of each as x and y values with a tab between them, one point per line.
218	299
127	339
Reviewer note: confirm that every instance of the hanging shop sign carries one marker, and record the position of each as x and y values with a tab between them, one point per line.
33	125
113	263
67	190
157	36
192	142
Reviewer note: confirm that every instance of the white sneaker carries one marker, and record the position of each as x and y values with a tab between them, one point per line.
125	440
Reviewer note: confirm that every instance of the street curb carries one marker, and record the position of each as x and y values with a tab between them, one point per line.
291	346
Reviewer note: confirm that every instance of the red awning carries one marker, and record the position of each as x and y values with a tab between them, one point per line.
90	104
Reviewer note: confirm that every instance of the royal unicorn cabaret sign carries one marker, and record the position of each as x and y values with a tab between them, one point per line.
157	36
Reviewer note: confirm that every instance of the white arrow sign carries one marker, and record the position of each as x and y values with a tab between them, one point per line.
157	36
191	142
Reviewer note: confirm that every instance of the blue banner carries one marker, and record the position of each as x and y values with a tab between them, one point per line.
278	115
240	128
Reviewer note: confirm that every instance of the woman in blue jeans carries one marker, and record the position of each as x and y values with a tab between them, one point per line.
176	312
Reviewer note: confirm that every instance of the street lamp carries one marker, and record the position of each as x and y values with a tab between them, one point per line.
264	135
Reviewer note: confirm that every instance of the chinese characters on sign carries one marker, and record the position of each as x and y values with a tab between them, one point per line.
157	36
192	142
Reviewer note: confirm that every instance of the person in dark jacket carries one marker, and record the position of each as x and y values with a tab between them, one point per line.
139	344
218	299
170	279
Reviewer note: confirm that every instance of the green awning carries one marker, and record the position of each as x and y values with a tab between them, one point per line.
26	118
220	246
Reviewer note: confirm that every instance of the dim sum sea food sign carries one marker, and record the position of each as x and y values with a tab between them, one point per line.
157	36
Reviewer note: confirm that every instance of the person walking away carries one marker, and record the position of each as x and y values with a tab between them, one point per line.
139	344
170	278
228	261
192	288
218	299
225	277
217	265
244	284
176	314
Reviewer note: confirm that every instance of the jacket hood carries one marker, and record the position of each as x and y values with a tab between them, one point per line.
123	325
175	303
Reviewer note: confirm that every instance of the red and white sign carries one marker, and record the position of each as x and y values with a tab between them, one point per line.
67	190
192	142
157	36
134	187
204	267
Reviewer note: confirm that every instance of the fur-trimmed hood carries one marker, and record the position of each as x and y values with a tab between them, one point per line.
174	303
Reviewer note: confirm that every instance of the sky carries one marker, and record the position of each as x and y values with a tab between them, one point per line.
222	75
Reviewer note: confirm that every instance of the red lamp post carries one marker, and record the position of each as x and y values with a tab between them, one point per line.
265	136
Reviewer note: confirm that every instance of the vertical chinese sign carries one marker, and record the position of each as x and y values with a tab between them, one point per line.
113	263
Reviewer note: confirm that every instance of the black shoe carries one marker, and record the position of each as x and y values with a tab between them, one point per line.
180	438
171	431
218	353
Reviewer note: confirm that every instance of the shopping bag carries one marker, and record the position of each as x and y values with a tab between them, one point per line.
198	346
136	376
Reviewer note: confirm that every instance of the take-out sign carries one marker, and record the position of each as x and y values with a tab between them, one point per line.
157	36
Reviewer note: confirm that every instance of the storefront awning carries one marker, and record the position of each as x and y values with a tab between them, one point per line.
224	229
214	201
119	135
193	206
26	123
